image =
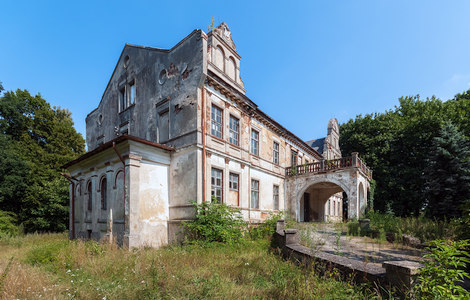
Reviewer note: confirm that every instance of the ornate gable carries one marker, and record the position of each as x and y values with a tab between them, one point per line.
225	34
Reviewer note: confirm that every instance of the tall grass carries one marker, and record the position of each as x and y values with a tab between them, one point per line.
50	266
421	227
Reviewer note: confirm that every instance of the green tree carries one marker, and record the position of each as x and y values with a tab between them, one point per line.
43	138
448	173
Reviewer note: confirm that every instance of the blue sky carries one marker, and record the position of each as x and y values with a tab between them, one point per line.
303	62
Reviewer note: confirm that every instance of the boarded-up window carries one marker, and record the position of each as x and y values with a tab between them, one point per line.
219	58
163	126
122	99
131	93
216	183
254	194
276	197
230	70
233	181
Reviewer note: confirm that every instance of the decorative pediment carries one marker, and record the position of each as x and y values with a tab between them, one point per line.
225	34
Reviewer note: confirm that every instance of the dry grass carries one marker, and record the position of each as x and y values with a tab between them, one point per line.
51	267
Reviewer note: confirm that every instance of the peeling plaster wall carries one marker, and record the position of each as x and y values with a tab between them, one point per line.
164	80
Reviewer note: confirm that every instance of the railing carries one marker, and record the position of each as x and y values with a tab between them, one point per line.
328	165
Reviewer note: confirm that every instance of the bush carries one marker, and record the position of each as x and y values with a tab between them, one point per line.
216	223
267	228
444	269
7	223
46	254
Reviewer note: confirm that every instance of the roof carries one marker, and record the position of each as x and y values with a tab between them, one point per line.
109	144
317	144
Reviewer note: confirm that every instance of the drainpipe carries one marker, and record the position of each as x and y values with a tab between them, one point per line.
203	145
125	190
70	179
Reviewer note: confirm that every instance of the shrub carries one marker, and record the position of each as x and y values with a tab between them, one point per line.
267	228
46	254
353	227
7	223
444	269
216	223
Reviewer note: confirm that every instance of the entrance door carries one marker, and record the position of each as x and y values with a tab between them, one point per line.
306	207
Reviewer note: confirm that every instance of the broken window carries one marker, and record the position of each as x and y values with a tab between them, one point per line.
216	122
254	194
233	182
234	130
293	157
276	153
90	196
122	99
104	192
132	93
163	126
254	142
276	197
216	182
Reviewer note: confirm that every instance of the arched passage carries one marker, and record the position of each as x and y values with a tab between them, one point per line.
320	202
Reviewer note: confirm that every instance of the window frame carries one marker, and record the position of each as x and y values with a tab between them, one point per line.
294	156
104	193
254	143
275	197
276	153
215	187
234	132
215	123
254	191
231	182
89	189
132	93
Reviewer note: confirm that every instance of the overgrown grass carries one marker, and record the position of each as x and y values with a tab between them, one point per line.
50	266
421	227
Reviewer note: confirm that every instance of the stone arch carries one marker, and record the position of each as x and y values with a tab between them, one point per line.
313	200
116	177
103	176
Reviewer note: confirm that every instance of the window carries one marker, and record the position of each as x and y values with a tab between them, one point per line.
163	126
254	142
329	207
233	182
334	207
216	120
276	153
276	197
131	93
104	196
254	193
122	99
293	158
216	181
90	196
234	130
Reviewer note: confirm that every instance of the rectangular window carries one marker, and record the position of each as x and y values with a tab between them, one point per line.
293	158
254	142
122	99
234	130
217	187
216	122
334	207
276	153
163	126
276	197
131	93
254	193
233	182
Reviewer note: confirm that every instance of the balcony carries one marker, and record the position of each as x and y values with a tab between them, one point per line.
331	165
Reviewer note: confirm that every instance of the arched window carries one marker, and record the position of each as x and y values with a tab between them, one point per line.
90	196
219	58
231	68
104	194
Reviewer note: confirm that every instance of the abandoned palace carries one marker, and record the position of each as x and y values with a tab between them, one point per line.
175	126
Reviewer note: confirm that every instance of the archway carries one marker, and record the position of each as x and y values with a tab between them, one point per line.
321	202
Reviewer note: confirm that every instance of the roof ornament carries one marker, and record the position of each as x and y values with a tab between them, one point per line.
225	34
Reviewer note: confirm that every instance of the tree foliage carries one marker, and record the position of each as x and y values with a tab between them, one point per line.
35	140
399	144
